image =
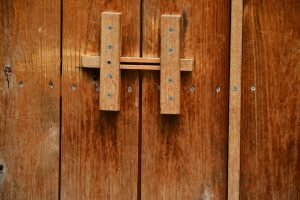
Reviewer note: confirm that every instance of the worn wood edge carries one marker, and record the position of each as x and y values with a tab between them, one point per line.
235	100
186	64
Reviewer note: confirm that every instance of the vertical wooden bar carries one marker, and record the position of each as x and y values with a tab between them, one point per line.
170	65
110	75
235	100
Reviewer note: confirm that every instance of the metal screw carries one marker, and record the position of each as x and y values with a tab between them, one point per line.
109	95
21	83
51	84
170	80
170	50
109	75
109	46
129	89
158	87
192	89
218	89
170	98
109	62
171	29
97	89
74	86
109	27
235	88
253	88
7	69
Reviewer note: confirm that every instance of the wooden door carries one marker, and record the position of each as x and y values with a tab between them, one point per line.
137	152
270	128
185	156
29	99
99	151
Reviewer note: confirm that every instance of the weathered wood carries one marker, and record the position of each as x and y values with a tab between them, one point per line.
270	139
170	64
235	100
99	149
186	64
185	157
29	99
110	76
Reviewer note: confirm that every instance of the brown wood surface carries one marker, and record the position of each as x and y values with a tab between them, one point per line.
236	48
136	63
170	64
270	137
99	149
110	76
29	107
185	157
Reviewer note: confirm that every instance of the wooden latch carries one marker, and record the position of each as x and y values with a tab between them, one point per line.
111	63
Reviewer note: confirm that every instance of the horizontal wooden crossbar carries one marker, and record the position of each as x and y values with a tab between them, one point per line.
136	63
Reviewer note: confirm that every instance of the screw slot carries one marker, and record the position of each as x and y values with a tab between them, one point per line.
193	88
218	89
171	29
253	88
129	89
109	62
109	46
109	27
51	84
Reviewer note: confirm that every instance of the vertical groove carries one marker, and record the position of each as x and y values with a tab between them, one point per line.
60	98
139	182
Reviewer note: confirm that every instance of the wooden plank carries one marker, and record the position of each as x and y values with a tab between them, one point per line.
186	64
170	64
110	76
235	100
29	100
185	157
270	140
99	149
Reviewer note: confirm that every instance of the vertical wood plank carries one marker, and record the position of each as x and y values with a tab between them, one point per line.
99	148
110	75
185	156
170	65
29	99
270	125
235	99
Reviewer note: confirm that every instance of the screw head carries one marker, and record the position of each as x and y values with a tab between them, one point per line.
51	84
21	84
170	98
170	80
235	88
7	69
109	62
109	27
253	88
193	88
109	75
108	95
74	86
129	89
170	50
171	29
97	89
218	89
109	46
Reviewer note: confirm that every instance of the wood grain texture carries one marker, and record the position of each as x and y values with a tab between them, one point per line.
185	157
29	108
110	76
270	140
170	64
186	64
99	149
236	48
